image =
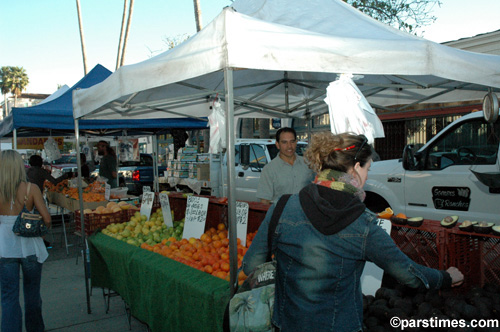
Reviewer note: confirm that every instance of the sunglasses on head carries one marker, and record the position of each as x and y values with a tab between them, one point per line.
365	140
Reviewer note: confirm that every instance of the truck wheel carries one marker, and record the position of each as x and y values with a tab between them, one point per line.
375	203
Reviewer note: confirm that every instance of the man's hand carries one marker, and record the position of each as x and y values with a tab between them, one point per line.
265	201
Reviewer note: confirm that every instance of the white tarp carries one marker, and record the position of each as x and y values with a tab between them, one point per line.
285	53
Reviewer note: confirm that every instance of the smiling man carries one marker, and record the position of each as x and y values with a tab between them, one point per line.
285	174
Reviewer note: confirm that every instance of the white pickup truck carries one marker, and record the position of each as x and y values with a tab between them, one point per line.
438	180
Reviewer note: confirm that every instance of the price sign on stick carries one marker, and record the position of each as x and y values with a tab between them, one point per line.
242	221
196	217
147	204
146	189
107	191
165	208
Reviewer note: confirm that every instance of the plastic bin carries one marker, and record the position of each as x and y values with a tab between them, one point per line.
424	245
119	192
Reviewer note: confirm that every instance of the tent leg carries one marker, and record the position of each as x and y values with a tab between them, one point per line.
231	175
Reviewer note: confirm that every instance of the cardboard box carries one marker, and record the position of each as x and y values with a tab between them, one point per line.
187	157
203	172
189	150
181	174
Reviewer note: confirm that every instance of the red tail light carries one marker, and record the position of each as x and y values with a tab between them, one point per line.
136	176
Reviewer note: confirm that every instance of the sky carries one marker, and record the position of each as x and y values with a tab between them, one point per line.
43	36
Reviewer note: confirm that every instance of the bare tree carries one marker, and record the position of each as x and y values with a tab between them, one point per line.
197	14
129	20
82	39
122	31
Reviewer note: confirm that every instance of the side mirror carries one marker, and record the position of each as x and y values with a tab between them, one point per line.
245	155
409	162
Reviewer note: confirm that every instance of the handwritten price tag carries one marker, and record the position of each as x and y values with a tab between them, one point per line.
146	189
242	221
107	191
147	204
196	217
165	208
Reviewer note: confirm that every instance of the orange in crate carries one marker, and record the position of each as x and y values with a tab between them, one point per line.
386	214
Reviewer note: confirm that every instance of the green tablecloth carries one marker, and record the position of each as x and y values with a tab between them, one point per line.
165	294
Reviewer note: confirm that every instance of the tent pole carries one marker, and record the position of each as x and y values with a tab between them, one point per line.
156	184
230	141
14	139
82	215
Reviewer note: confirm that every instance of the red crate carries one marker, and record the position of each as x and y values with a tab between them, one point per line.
425	244
95	221
477	256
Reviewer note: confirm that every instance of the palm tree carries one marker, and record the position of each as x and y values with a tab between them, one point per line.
197	15
18	80
5	87
122	31
129	20
82	39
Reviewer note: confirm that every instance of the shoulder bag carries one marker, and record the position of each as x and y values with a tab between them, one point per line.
29	224
251	307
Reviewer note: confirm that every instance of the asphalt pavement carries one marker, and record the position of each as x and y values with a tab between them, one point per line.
65	307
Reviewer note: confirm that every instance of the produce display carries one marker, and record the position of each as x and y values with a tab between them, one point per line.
94	192
209	253
418	304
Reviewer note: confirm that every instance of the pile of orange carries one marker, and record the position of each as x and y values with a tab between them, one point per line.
94	192
209	253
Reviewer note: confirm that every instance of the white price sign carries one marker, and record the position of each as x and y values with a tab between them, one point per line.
147	204
196	217
165	208
107	191
146	189
242	222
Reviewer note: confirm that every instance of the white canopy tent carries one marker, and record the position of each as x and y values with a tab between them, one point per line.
276	58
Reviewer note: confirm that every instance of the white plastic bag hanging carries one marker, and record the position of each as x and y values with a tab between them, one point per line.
217	124
126	148
51	150
350	111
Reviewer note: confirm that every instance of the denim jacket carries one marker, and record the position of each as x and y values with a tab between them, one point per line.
318	276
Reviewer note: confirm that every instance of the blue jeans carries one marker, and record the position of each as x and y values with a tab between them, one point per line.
9	281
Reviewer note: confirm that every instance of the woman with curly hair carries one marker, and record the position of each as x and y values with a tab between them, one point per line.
323	239
20	253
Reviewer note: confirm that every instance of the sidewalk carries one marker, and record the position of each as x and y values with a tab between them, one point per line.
64	295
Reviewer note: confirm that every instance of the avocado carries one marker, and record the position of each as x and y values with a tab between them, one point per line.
449	221
467	226
496	230
415	221
399	221
483	227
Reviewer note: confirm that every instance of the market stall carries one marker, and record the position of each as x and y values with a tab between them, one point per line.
249	58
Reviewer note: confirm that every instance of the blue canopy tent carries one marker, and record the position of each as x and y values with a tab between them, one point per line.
56	117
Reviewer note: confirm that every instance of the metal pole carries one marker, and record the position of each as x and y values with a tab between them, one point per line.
231	176
156	184
14	138
82	215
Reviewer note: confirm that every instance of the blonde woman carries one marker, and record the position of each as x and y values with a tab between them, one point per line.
20	253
